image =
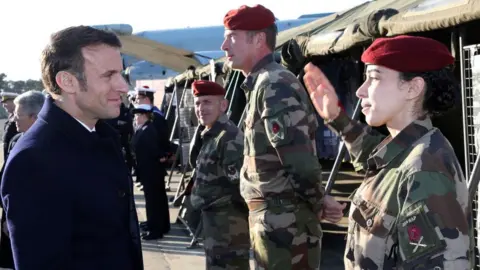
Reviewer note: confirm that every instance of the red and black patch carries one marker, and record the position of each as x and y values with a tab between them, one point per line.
414	233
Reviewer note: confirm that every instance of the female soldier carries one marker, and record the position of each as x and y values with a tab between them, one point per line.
410	212
150	173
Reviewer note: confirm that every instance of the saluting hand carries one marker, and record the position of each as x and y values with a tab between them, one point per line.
322	93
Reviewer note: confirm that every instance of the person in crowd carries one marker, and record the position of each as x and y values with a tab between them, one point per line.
411	210
216	187
27	106
150	172
281	177
66	190
9	128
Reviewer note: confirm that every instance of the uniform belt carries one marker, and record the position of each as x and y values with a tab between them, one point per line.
256	204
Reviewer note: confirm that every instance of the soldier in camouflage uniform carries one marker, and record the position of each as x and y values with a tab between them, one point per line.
411	210
216	189
281	176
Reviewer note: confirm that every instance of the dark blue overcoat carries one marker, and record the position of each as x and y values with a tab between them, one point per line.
68	197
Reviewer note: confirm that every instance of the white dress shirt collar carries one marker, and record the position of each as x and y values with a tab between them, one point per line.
83	124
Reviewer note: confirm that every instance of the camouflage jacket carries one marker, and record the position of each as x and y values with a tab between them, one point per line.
410	212
280	159
218	165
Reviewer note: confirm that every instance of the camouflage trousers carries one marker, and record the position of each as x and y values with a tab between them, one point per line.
286	237
226	238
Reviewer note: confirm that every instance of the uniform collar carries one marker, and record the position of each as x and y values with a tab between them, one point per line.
249	82
390	148
216	128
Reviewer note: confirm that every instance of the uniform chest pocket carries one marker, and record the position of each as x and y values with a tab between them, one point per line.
255	137
372	218
208	158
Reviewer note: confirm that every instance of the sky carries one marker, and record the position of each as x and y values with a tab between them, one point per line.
26	25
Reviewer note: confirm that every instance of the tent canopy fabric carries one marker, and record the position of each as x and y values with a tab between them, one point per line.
389	18
157	53
360	25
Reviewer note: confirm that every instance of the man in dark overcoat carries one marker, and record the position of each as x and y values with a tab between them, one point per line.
66	189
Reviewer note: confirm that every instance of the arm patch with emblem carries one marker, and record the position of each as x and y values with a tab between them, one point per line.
276	130
232	172
418	238
277	125
232	155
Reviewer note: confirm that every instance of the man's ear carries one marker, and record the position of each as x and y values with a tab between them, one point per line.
66	81
259	39
223	105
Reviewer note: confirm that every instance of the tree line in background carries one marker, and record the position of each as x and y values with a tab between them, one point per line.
17	87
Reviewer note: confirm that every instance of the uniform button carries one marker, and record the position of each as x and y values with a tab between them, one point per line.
369	222
121	193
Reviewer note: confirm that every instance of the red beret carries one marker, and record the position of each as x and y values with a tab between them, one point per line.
408	54
249	18
207	88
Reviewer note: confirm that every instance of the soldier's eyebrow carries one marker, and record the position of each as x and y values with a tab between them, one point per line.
372	70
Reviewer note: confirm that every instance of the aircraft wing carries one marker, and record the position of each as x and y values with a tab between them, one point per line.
152	51
158	53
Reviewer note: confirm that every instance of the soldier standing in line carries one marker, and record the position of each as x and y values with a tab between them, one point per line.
145	95
411	210
9	128
150	173
281	175
216	190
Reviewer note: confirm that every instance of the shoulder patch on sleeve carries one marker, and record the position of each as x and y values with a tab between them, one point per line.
418	236
275	128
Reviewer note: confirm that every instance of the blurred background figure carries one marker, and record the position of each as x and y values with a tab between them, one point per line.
123	124
150	172
145	95
9	129
26	108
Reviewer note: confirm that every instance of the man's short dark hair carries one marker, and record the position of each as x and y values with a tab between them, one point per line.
64	53
271	36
